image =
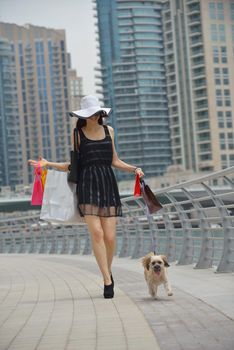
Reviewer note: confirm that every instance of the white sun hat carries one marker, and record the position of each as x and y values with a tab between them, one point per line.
89	106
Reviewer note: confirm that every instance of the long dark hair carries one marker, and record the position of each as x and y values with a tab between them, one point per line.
82	122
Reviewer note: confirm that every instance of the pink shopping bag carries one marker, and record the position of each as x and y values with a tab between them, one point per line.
37	193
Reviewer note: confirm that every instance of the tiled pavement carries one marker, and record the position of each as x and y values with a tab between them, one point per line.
53	302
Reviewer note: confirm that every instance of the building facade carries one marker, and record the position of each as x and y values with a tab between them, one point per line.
133	81
75	86
42	91
10	140
171	60
199	59
76	89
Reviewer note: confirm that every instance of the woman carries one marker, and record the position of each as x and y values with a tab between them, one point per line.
98	196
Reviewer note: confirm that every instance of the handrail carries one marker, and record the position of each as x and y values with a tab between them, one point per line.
195	226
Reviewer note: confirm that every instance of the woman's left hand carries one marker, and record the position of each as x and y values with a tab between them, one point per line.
41	161
139	172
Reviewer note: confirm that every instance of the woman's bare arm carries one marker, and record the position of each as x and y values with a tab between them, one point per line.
45	163
118	163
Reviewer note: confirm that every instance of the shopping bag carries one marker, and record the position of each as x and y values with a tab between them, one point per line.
137	187
43	177
60	200
37	193
151	202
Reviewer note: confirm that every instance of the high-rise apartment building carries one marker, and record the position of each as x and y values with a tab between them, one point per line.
133	81
42	90
199	58
10	143
75	86
76	89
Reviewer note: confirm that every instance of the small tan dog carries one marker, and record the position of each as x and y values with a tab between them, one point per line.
155	271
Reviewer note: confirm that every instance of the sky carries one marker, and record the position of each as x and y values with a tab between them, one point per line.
75	16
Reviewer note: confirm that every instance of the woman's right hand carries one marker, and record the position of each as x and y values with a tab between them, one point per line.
41	161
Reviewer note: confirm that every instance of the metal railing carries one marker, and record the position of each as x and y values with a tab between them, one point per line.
195	226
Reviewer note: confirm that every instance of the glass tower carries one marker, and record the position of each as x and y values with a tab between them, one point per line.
10	145
43	92
134	81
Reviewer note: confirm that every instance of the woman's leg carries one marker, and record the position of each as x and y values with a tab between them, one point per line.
99	246
109	228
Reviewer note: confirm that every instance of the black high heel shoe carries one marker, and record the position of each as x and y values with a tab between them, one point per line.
108	291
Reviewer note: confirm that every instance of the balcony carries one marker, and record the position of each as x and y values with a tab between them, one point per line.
194	19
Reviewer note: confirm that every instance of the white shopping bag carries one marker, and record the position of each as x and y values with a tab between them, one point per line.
59	203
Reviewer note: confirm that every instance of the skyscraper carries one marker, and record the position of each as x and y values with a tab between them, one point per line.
199	58
10	145
75	86
134	81
42	92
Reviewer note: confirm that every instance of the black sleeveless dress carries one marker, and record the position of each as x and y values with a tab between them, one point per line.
97	189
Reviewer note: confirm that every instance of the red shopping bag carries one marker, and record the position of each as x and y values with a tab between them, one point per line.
37	193
137	187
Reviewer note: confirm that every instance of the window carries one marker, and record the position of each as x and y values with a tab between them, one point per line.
225	76
205	157
222	141
202	115
20	49
227	97
217	76
232	11
223	54
216	10
204	136
215	54
219	101
229	119
205	147
212	10
230	140
222	36
214	32
220	13
220	119
218	32
224	161
231	159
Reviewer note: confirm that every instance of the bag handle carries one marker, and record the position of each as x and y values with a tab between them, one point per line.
75	139
37	170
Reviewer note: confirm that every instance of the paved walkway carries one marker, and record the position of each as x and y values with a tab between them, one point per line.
53	302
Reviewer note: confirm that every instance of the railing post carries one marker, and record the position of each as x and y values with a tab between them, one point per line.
76	244
22	244
124	250
52	235
42	249
170	240
206	253
138	246
187	252
87	248
12	245
1	245
32	248
64	249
